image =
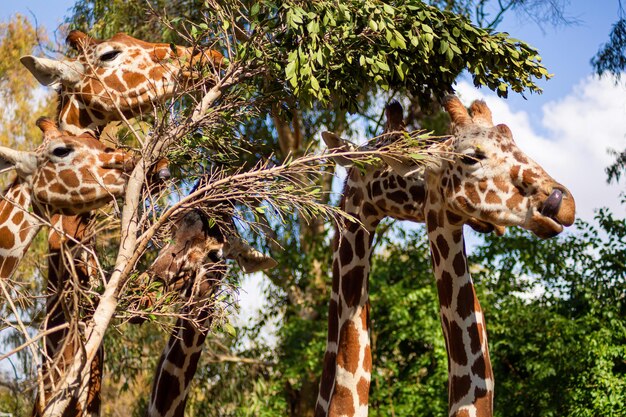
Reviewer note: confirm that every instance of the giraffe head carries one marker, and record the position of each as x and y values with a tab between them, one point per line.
70	174
395	187
488	177
118	74
195	245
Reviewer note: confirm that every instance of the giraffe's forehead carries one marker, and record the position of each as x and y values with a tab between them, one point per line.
487	139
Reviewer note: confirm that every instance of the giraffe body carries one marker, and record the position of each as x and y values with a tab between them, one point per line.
484	181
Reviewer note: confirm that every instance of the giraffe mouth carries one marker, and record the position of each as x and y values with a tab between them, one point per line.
547	221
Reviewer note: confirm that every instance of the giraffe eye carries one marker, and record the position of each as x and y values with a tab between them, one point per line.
215	255
472	159
109	56
61	151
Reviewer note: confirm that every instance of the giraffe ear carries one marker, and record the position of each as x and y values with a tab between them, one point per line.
50	72
340	145
249	259
25	163
403	166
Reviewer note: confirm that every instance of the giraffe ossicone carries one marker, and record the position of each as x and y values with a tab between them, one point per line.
485	181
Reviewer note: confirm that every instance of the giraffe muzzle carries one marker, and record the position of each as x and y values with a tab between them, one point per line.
164	174
552	204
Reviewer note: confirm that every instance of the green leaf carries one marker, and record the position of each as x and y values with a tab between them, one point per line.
315	85
230	329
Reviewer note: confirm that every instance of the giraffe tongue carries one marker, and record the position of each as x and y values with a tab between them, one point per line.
552	204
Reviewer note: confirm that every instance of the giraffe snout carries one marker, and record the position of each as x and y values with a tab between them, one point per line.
560	206
555	210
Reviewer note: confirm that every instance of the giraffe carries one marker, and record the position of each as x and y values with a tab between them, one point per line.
484	181
109	80
66	174
192	264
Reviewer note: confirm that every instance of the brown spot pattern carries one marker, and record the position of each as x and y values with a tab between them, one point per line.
359	243
352	285
501	185
442	244
515	172
483	402
8	265
444	289
357	198
348	349
492	198
333	321
399	197
369	210
362	389
417	193
479	367
328	375
474	338
342	402
70	178
431	221
7	240
345	252
435	255
367	359
457	348
514	201
459	264
471	193
520	157
453	218
465	300
461	386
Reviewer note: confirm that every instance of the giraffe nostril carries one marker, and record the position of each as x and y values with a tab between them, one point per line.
552	204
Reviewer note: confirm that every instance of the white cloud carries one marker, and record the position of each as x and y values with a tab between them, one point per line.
572	138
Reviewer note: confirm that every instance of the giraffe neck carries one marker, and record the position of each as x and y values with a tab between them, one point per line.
470	377
75	118
181	355
176	368
344	386
18	226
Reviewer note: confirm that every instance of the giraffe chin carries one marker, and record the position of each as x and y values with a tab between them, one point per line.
545	227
